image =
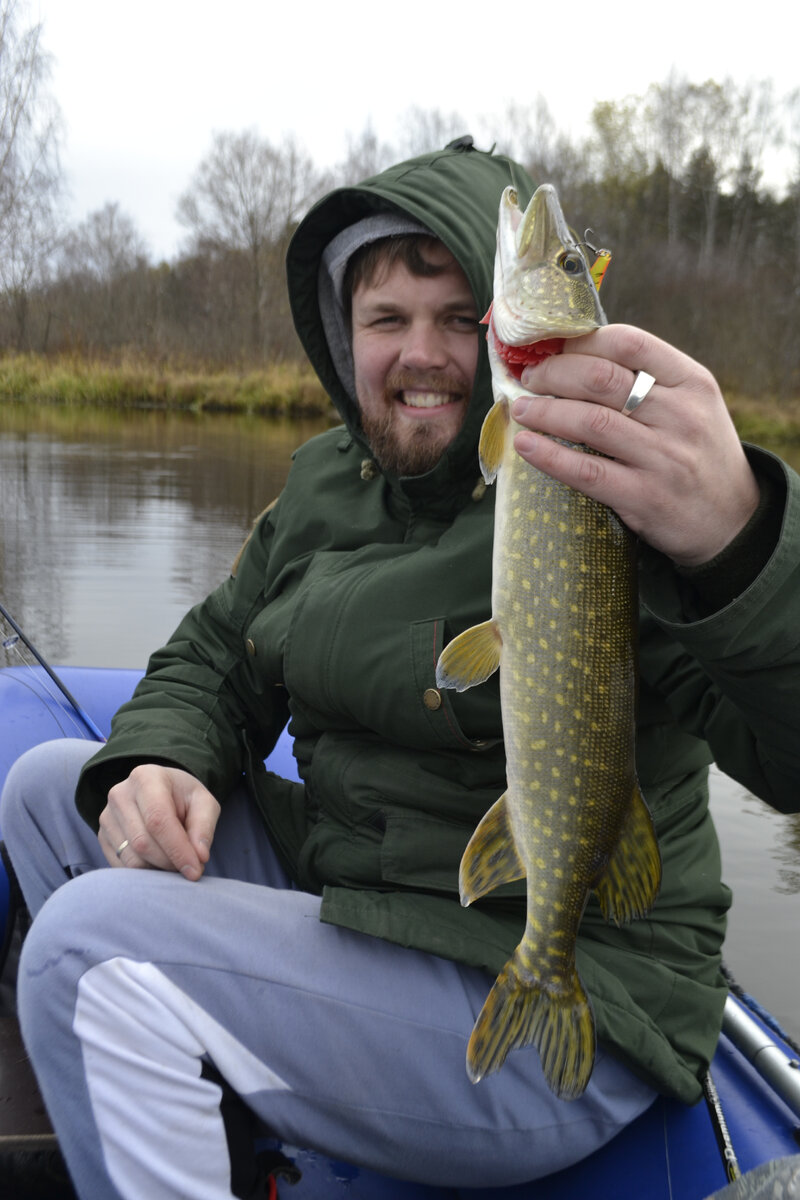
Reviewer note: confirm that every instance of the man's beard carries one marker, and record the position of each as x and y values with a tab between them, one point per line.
419	454
423	446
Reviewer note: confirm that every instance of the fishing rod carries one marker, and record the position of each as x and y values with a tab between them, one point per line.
720	1127
62	687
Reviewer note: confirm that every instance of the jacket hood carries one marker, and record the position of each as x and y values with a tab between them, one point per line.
455	193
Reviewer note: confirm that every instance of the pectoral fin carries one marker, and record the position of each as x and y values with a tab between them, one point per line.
493	439
470	658
629	885
491	856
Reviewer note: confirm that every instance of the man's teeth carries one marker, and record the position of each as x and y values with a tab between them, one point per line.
426	399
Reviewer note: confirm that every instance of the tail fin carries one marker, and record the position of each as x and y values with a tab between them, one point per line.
559	1023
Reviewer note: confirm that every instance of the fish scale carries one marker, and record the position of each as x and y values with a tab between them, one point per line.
563	632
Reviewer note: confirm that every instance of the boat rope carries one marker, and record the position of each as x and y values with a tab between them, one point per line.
761	1012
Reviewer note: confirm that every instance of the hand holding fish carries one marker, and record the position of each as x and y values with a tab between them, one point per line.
675	473
159	817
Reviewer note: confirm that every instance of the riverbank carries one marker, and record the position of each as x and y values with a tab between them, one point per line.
282	389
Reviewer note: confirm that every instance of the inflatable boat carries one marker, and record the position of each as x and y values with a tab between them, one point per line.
752	1113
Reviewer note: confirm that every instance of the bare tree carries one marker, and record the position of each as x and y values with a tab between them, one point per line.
104	247
30	173
423	130
529	134
102	290
246	197
366	156
668	121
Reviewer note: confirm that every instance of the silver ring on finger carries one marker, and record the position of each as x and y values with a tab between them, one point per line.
642	384
121	847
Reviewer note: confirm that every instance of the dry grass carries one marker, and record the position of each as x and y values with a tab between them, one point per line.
766	419
284	389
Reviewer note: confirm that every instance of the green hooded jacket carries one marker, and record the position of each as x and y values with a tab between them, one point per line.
343	598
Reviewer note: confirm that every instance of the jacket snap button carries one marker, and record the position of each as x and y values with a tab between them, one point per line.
250	646
431	698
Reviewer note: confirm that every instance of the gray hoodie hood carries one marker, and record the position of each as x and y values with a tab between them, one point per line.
453	193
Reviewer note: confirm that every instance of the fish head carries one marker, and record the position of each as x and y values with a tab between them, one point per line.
542	283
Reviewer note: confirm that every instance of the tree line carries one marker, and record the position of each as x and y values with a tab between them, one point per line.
706	246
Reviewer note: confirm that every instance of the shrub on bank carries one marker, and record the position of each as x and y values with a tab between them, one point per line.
283	389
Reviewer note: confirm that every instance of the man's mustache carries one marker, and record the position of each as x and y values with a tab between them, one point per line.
425	381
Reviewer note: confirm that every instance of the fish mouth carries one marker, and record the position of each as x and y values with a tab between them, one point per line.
542	285
542	226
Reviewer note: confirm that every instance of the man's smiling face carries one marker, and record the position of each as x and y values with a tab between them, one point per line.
415	350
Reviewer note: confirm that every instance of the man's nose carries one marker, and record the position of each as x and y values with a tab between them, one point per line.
423	347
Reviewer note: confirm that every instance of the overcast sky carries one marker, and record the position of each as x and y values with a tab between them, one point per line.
142	86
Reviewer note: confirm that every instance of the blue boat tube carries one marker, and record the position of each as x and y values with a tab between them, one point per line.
669	1151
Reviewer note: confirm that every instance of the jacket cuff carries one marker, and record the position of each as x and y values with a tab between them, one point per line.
712	585
680	598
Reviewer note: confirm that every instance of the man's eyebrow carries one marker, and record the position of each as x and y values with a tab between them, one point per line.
380	304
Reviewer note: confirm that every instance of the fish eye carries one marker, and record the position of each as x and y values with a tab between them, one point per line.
571	262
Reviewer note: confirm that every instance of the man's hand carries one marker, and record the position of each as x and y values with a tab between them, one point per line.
159	817
674	472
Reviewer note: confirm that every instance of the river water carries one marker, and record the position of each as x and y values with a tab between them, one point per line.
113	524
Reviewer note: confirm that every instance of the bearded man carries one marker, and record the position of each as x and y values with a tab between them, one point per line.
302	944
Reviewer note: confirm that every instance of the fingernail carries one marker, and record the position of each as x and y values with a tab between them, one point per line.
520	407
190	873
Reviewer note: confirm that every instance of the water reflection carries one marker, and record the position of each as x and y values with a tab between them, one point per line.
761	863
113	524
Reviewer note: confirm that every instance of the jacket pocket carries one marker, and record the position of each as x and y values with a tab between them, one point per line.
425	853
436	704
421	852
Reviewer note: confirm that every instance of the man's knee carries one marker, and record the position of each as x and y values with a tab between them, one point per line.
62	943
46	774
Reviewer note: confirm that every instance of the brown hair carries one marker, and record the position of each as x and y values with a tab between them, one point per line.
378	257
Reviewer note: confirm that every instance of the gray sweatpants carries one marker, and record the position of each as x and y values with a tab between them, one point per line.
131	980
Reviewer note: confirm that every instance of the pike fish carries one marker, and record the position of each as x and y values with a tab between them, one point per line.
563	632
